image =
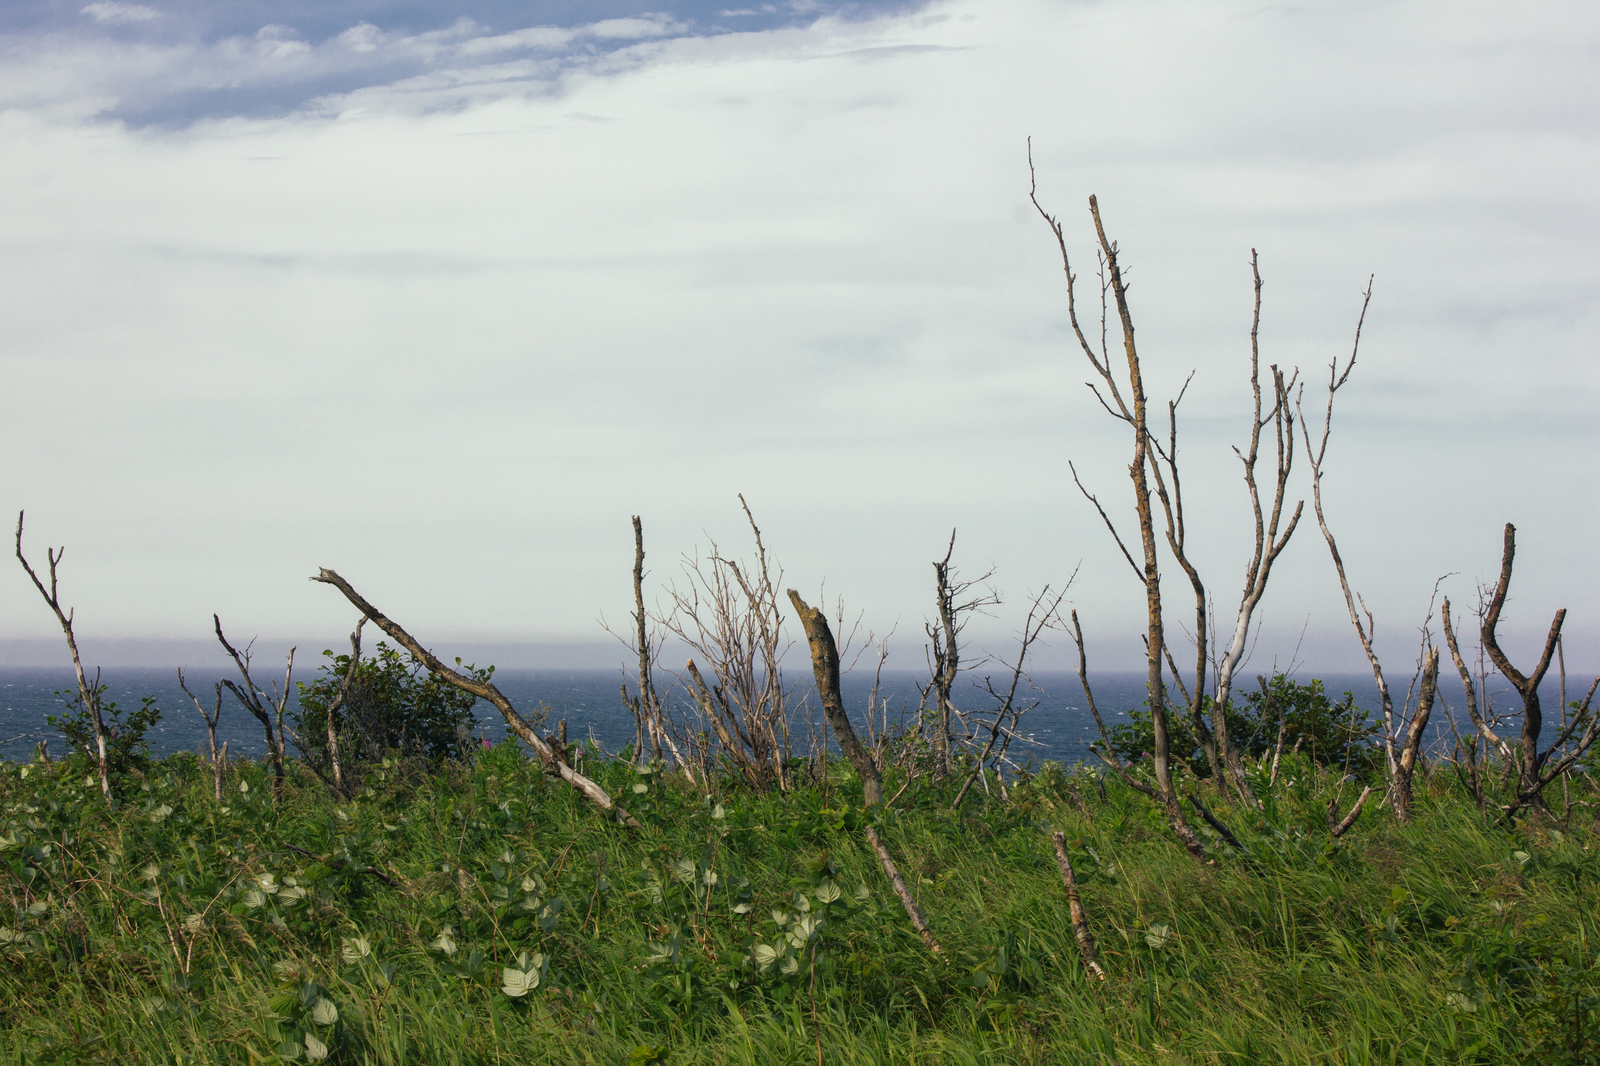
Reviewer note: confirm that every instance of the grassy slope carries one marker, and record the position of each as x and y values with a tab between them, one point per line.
175	929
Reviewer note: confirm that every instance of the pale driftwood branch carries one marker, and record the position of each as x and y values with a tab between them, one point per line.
825	668
912	910
1473	712
555	763
89	694
1080	921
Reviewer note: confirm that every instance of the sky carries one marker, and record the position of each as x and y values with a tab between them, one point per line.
438	294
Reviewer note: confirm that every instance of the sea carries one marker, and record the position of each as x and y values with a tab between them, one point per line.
1058	726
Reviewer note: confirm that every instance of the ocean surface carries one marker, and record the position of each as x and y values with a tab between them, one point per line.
1059	728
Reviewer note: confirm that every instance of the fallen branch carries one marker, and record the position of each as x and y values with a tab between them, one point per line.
555	762
1080	921
1214	822
912	910
1337	830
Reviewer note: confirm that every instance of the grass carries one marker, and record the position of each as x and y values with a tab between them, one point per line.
738	928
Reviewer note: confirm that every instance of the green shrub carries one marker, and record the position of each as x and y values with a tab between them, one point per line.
394	706
127	751
1334	734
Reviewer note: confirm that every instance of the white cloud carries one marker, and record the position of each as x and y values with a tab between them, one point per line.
446	332
115	11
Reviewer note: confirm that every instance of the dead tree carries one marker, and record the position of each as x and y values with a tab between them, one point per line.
219	756
258	702
89	694
1131	409
1535	768
729	615
954	600
1364	631
1269	543
552	756
825	668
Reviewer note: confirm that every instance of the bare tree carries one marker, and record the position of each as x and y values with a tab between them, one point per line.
1535	768
825	668
260	703
1131	409
219	756
729	615
89	694
955	601
552	754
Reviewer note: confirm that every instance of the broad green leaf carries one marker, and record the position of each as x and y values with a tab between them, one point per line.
323	1012
1158	934
445	941
828	892
640	788
765	955
316	1050
254	898
356	948
518	983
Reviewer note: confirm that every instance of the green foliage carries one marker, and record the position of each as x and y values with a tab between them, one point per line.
1334	734
478	913
127	751
394	706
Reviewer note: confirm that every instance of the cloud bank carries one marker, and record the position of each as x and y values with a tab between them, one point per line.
441	307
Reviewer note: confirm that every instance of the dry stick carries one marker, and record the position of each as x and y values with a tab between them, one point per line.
825	668
342	699
1106	753
1364	633
554	763
1337	830
1283	733
912	910
88	693
1080	921
211	732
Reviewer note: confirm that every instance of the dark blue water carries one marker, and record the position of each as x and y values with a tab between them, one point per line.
1059	728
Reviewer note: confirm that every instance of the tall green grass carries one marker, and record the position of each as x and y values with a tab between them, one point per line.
759	929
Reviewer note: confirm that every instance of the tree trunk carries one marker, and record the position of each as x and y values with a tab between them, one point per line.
825	667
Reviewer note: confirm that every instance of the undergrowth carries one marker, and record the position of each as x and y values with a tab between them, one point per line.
485	914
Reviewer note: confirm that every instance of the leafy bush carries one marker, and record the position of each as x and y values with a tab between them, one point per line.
127	752
394	706
1333	734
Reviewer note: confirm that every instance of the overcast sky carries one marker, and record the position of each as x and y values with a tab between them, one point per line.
437	294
